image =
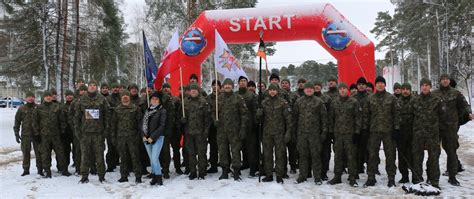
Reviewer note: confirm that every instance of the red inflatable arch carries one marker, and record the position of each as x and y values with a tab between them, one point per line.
320	22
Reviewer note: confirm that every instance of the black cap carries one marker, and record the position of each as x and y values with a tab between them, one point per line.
218	83
251	84
274	76
370	85
362	80
425	81
242	77
193	76
104	84
380	79
353	86
159	95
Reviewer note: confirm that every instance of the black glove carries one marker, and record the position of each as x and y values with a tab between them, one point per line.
396	135
355	138
18	138
37	138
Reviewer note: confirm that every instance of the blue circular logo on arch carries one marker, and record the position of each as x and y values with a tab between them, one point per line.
193	42
336	37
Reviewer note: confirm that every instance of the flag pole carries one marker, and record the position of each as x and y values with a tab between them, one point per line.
260	122
144	66
217	94
182	89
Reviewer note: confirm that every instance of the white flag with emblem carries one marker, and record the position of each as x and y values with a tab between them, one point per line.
225	63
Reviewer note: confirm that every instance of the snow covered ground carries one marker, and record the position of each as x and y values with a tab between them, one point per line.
12	185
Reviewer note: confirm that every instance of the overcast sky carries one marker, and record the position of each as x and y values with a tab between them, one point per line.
361	13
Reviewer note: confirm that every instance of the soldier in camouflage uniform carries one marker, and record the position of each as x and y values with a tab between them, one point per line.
276	117
311	118
300	91
406	132
427	109
112	156
104	89
397	90
383	118
326	148
24	119
250	144
455	106
362	96
291	146
196	122
344	122
49	123
92	126
212	139
184	94
194	79
135	98
125	128
173	138
231	129
165	157
68	136
76	141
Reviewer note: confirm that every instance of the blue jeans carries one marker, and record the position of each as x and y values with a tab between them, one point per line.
153	151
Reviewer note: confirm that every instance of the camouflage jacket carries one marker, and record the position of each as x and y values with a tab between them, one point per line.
426	110
276	116
24	118
126	121
113	99
363	98
310	115
92	115
251	102
68	112
344	116
198	118
168	104
211	100
49	119
455	106
233	113
333	93
382	112
406	114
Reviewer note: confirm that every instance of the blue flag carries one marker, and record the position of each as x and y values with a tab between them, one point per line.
150	64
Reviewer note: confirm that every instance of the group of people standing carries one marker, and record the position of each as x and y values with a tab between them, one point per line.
299	129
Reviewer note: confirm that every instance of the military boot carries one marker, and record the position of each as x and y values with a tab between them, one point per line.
404	179
453	181
138	179
335	180
25	172
279	180
391	182
66	173
353	183
300	180
212	169
40	172
48	173
123	179
192	176
267	179
236	174
370	182
84	179
102	179
225	174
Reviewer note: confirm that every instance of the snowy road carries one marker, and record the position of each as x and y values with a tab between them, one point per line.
32	186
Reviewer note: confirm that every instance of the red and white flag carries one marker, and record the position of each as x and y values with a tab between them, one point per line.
169	61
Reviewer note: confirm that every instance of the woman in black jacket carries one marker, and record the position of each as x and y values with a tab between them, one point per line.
153	135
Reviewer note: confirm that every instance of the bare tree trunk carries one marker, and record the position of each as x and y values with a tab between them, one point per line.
75	48
56	49
45	56
63	59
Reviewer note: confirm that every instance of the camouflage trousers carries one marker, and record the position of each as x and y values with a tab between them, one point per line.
112	155
229	143
128	150
26	142
404	149
389	148
309	150
449	139
418	151
345	152
92	145
197	151
49	143
274	143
